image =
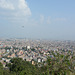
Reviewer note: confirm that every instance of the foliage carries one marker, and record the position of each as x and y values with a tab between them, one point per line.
33	49
57	65
21	67
7	48
1	69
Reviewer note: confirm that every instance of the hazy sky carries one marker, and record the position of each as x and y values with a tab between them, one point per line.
45	19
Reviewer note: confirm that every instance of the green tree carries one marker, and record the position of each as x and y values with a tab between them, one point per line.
59	65
1	69
21	67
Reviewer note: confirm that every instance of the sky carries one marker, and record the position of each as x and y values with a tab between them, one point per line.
40	19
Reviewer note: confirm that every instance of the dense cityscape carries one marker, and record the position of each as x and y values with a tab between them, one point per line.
34	51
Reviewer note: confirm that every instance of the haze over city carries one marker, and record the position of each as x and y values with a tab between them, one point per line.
41	19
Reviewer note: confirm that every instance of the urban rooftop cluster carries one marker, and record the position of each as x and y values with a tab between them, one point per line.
34	51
